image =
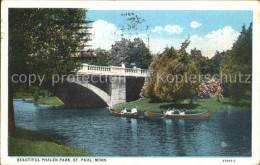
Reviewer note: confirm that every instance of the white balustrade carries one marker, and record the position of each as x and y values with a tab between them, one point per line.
114	70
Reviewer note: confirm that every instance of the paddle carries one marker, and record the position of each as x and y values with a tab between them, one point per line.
164	116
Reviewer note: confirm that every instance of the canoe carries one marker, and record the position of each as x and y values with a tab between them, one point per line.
177	116
118	113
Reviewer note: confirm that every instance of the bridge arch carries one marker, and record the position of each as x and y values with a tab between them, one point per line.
102	94
76	94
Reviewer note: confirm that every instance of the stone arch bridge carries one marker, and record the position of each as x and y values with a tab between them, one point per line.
100	86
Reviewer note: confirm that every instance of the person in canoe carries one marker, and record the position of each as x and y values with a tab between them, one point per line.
124	110
169	111
182	112
134	109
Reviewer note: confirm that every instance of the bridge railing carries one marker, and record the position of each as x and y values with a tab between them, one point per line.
114	70
97	68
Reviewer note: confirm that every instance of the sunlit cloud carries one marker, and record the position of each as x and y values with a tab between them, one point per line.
172	29
221	40
104	34
195	24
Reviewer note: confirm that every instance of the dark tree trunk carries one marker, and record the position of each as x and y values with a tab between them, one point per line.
11	119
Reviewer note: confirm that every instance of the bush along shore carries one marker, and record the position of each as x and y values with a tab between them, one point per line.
30	143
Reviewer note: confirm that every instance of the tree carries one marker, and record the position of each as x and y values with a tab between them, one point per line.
239	61
42	42
200	61
195	52
100	57
184	45
214	64
170	71
128	52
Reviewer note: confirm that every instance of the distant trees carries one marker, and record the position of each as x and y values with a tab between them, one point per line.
214	64
124	51
128	52
100	57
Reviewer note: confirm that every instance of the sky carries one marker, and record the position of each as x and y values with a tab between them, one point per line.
209	31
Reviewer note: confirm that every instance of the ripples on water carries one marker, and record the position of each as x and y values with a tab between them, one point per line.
225	133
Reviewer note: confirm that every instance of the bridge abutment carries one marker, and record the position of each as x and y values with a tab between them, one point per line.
118	90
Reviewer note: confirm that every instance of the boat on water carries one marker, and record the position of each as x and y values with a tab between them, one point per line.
177	116
119	113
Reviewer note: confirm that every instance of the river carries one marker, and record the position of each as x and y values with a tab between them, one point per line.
225	133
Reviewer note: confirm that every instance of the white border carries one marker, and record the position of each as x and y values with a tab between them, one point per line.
138	5
135	5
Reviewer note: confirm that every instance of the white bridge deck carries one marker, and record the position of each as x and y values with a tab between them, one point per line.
114	70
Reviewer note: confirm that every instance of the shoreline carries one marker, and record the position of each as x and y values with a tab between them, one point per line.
209	104
145	104
55	101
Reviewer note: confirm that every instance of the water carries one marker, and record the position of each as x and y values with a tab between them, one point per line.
225	133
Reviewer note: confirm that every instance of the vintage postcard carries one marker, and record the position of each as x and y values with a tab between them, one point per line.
121	82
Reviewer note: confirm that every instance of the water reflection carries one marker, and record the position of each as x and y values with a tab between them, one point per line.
106	135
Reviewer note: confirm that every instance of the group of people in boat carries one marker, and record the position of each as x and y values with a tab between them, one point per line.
172	111
133	110
175	111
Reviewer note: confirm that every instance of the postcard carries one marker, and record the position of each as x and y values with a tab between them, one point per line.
122	82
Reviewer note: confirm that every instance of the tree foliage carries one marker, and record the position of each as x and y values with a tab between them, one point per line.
100	57
239	61
200	61
42	41
128	52
214	64
171	73
232	62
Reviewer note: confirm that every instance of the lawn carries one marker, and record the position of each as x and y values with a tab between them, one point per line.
48	101
30	143
210	104
42	100
22	95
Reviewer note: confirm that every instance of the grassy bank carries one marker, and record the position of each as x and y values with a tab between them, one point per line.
42	100
210	104
30	143
22	95
48	101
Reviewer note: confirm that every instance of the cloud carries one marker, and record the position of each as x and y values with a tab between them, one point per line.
104	34
195	24
157	29
220	40
172	29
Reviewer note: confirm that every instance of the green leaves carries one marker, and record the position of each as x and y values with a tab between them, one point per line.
239	61
100	57
42	41
128	52
171	76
